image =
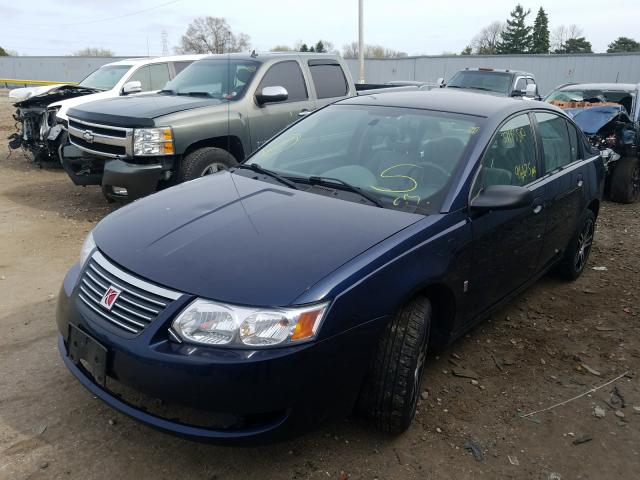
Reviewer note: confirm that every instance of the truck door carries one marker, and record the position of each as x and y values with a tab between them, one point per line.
506	244
267	120
329	81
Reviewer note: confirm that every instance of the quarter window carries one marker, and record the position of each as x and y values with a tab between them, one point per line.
510	158
288	75
329	80
555	141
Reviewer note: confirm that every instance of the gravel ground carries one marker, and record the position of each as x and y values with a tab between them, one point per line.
550	344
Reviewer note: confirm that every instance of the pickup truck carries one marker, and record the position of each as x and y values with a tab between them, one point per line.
503	83
41	112
210	117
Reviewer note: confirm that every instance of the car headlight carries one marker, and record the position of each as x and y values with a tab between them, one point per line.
153	141
87	249
212	323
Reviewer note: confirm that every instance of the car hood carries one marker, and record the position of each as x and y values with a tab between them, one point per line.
20	94
592	119
137	110
235	239
45	96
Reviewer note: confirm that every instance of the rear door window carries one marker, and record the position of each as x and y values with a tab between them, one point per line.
511	156
288	75
179	66
555	141
329	80
152	77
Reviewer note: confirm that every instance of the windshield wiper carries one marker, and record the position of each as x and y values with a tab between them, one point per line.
167	90
258	169
195	94
336	182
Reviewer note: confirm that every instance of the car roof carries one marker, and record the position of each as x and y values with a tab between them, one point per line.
450	100
264	56
600	86
499	70
148	60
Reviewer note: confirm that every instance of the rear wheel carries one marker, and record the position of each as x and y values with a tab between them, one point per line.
577	253
390	393
625	180
204	161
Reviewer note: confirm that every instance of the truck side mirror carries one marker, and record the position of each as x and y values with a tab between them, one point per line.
440	82
530	91
271	95
132	87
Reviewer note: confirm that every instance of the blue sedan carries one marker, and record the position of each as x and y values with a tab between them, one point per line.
312	279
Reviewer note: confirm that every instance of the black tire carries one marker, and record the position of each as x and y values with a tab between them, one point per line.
625	180
391	389
203	161
577	253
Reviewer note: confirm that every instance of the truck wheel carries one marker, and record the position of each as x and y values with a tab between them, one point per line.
390	393
204	161
577	253
625	180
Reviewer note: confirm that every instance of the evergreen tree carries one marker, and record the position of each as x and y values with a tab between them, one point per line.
304	48
516	38
575	45
320	47
3	52
623	44
467	50
540	35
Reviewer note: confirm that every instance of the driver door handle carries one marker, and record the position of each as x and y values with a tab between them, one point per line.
538	205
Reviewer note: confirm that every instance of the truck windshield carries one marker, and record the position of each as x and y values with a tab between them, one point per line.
105	78
481	80
403	157
219	78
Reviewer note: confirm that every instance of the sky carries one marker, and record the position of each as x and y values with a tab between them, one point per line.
47	27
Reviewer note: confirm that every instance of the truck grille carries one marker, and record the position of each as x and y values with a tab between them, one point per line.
104	140
137	302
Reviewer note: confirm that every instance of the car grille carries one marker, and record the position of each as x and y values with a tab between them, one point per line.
101	139
138	303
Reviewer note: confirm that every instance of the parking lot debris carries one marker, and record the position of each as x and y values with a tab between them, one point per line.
619	413
599	269
582	439
592	371
112	421
43	465
617	400
599	412
343	476
464	373
576	397
475	448
602	328
513	460
424	395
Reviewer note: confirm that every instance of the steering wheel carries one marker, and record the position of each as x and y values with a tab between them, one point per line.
437	172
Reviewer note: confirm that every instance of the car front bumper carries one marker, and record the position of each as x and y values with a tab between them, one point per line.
276	393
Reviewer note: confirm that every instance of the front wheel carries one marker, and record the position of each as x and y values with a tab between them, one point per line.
204	161
625	180
390	393
577	253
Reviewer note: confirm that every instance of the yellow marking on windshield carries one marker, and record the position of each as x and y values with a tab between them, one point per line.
383	174
525	170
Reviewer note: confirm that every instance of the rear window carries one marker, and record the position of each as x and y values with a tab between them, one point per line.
329	80
481	80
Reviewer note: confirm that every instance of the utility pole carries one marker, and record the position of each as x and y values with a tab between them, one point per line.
360	41
165	44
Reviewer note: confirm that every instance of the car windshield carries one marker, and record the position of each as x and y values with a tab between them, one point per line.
404	158
482	80
214	78
105	78
621	97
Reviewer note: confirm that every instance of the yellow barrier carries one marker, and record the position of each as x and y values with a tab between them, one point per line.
15	81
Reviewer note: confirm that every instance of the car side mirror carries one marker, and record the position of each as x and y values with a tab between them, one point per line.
502	197
271	95
132	87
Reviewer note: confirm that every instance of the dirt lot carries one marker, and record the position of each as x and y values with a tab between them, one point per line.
554	342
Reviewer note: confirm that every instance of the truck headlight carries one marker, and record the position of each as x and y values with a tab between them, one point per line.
153	141
211	323
87	249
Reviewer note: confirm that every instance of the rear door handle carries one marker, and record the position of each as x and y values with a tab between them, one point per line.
304	113
580	181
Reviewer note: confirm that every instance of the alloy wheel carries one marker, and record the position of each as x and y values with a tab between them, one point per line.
585	240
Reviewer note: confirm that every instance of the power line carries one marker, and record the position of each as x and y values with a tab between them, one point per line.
130	14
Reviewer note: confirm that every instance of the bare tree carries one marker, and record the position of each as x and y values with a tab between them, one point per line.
486	41
93	52
211	35
371	51
562	34
282	48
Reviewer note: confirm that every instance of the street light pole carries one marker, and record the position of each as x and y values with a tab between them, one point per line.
360	41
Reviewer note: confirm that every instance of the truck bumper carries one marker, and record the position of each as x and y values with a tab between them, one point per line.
129	181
